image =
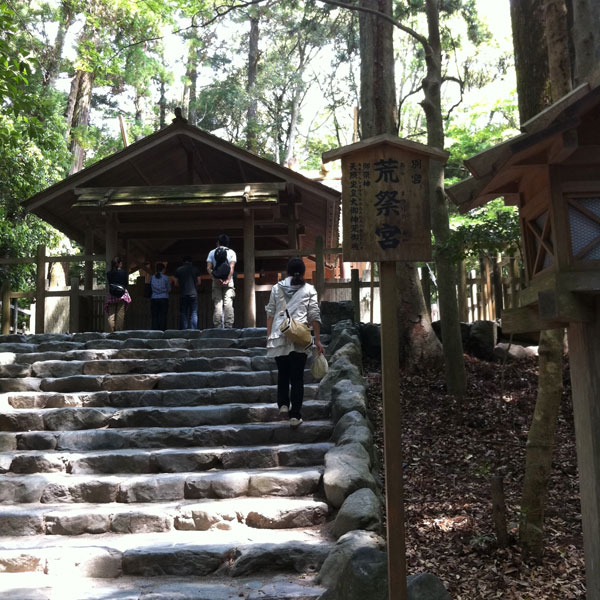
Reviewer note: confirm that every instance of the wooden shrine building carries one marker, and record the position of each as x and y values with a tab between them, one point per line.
552	173
172	193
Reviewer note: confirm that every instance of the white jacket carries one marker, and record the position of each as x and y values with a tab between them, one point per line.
302	305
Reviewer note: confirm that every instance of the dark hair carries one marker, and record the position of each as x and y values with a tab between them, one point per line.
223	240
296	269
114	263
187	258
159	269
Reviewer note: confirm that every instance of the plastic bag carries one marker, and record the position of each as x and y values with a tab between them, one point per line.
319	367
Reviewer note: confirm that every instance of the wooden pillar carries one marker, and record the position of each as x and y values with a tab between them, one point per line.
40	289
88	272
249	269
392	419
355	287
514	280
584	360
292	220
111	237
487	286
497	278
463	308
74	306
5	291
319	267
426	287
372	290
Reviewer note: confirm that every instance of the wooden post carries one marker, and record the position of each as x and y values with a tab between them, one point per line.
426	286
319	267
499	511
487	285
497	278
15	314
74	306
111	237
88	272
372	301
355	287
584	360
463	308
392	419
40	289
5	291
514	279
249	269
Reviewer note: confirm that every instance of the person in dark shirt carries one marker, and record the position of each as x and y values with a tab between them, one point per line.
118	297
187	278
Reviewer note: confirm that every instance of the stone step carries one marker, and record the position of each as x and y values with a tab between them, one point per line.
162	398
190	515
164	460
116	366
51	488
164	437
147	381
37	586
80	418
178	553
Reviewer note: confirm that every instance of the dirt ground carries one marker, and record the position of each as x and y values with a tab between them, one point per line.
452	449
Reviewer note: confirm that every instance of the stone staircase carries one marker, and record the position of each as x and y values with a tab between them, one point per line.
143	464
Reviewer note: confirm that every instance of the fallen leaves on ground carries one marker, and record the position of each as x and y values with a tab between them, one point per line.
452	448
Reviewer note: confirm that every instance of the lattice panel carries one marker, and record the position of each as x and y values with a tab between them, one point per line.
584	223
539	233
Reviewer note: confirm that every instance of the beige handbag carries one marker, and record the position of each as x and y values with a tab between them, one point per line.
296	331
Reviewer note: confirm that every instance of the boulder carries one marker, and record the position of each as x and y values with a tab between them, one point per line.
425	586
348	397
339	341
483	339
347	469
515	351
339	369
352	351
361	510
370	335
342	551
334	312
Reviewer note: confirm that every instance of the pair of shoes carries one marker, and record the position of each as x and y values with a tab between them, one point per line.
295	422
283	411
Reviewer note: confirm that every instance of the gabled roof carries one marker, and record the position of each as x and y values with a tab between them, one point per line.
386	139
181	154
548	138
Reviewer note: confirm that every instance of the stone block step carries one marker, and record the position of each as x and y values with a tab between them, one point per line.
51	488
190	515
79	418
161	398
164	460
245	434
37	586
118	366
178	553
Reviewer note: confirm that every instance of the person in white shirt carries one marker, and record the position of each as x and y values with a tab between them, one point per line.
223	285
300	299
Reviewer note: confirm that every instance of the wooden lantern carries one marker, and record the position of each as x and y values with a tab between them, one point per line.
552	173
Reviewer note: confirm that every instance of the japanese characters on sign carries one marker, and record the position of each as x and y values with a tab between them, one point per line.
385	205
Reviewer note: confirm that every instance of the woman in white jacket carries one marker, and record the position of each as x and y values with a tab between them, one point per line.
301	300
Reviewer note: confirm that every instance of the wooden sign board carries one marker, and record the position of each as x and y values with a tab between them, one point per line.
385	205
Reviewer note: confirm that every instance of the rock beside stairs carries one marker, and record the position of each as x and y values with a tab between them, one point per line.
144	464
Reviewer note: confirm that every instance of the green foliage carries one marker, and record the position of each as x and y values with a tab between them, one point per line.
488	230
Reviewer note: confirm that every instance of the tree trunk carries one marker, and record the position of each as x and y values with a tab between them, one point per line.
456	381
53	67
586	41
81	117
540	440
418	342
253	55
557	36
531	57
162	105
540	444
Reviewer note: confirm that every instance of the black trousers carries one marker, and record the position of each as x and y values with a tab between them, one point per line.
159	308
290	373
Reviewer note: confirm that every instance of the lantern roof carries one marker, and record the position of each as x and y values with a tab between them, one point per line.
557	135
390	140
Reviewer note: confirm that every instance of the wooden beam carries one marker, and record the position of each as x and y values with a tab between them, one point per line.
565	145
525	320
249	270
563	306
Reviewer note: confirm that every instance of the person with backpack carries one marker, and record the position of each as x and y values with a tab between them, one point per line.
220	264
187	279
292	298
159	300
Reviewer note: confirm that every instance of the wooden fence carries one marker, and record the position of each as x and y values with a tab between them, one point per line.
482	293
